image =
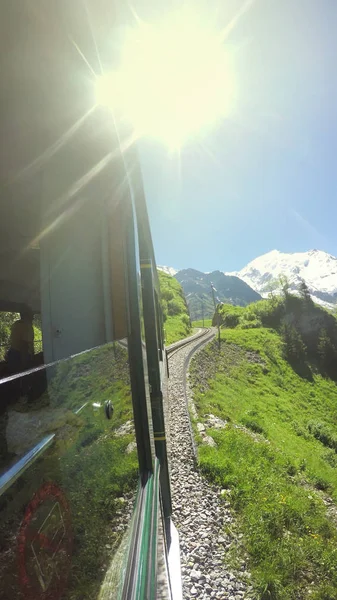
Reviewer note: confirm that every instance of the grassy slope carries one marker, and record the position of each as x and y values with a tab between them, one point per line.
273	465
177	321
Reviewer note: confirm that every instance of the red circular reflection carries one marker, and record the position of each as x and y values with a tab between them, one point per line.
45	545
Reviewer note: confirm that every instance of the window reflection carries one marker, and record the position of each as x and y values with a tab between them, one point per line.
68	474
65	512
20	351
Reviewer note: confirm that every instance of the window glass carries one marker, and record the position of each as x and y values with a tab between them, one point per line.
163	590
63	515
68	456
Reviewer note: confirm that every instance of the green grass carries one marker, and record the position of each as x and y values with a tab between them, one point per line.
275	462
202	323
177	323
175	329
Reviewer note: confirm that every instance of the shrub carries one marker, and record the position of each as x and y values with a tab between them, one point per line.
300	431
186	320
331	458
321	484
167	294
231	320
174	308
164	309
322	433
269	312
253	426
229	315
250	323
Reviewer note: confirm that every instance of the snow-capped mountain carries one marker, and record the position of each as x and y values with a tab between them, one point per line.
169	270
317	268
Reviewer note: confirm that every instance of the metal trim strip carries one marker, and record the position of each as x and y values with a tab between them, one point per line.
14	472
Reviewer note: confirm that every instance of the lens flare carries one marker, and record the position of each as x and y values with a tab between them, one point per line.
174	82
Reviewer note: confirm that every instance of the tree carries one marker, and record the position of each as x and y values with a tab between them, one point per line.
272	286
174	308
304	292
327	353
284	284
294	347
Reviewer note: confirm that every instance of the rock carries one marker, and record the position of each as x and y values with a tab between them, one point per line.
125	429
208	440
213	422
131	447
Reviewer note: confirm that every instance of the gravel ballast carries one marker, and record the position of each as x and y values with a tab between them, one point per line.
200	511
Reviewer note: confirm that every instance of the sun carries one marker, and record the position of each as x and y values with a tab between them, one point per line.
174	82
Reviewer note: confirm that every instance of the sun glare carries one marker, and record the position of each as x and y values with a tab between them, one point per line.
174	81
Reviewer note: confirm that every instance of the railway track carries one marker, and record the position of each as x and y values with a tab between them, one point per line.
199	511
173	348
195	341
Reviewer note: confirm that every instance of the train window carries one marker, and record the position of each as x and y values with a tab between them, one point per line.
71	475
68	455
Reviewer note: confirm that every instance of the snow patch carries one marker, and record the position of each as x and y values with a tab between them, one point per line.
168	270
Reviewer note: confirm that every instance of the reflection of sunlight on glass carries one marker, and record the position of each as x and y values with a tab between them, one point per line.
174	80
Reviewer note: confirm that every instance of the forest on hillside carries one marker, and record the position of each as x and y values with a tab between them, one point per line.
308	331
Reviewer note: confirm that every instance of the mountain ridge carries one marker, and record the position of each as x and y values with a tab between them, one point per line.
316	267
198	291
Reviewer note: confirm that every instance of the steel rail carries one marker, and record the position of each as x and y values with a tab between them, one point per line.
173	348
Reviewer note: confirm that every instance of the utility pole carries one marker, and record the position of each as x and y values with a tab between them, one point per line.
216	313
202	313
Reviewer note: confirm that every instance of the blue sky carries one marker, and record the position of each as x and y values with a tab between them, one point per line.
267	177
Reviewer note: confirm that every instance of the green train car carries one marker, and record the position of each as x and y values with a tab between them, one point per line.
85	499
